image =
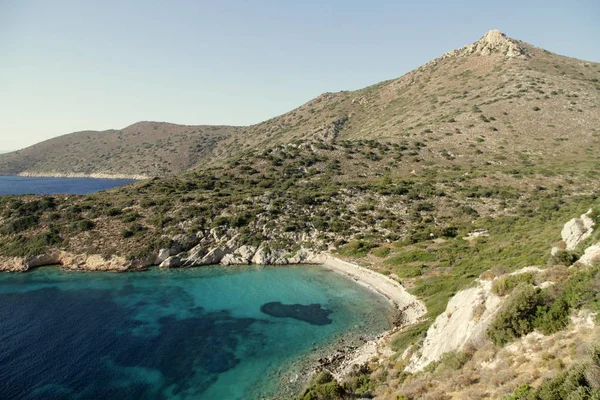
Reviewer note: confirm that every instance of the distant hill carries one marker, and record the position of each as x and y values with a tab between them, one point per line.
143	149
498	100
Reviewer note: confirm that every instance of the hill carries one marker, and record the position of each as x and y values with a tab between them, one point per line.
498	100
144	149
460	172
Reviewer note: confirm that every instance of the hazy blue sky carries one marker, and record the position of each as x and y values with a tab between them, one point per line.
75	65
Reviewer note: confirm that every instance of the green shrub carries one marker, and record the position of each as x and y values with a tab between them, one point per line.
515	319
411	256
407	336
20	224
410	271
85	225
113	212
381	252
325	391
551	319
505	285
131	217
563	257
357	249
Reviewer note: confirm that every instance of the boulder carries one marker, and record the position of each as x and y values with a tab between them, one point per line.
246	252
183	242
261	257
163	254
171	262
591	255
214	256
52	258
577	230
230	259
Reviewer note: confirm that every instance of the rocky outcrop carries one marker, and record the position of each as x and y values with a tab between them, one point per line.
465	320
171	262
577	230
591	256
96	175
492	42
70	261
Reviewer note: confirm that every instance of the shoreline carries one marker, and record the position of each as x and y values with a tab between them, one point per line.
339	358
410	307
95	175
408	310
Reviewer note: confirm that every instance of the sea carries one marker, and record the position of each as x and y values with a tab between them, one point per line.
28	185
206	333
202	333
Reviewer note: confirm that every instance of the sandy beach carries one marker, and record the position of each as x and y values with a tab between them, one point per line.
411	309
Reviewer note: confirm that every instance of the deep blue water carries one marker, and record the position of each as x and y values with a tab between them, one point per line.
203	333
26	185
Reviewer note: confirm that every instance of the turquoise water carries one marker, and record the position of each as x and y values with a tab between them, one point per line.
177	334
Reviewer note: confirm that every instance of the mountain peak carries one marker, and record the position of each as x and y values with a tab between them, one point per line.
493	42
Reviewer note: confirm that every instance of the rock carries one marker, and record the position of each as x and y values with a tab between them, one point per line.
478	233
163	254
246	252
591	255
465	320
97	262
304	256
230	259
13	264
492	42
215	256
261	257
577	230
52	258
183	243
171	262
196	254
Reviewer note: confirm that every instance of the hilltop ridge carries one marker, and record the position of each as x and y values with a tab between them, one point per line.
508	98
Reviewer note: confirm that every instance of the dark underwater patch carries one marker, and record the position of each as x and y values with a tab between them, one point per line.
81	344
311	313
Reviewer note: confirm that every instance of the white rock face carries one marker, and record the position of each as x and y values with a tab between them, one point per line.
465	320
577	230
591	255
230	259
246	252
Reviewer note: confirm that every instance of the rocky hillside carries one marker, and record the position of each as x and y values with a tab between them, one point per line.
142	150
447	180
496	101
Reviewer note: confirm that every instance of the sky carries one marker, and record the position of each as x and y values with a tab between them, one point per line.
67	66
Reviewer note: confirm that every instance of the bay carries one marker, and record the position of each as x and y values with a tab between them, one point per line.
199	333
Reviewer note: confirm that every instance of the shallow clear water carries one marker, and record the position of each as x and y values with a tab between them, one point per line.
27	185
178	334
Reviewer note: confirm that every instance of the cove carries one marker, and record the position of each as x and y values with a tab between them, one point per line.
200	333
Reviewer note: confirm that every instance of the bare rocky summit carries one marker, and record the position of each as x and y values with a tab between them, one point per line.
493	41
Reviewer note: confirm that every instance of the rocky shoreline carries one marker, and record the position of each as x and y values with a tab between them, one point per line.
338	359
97	175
